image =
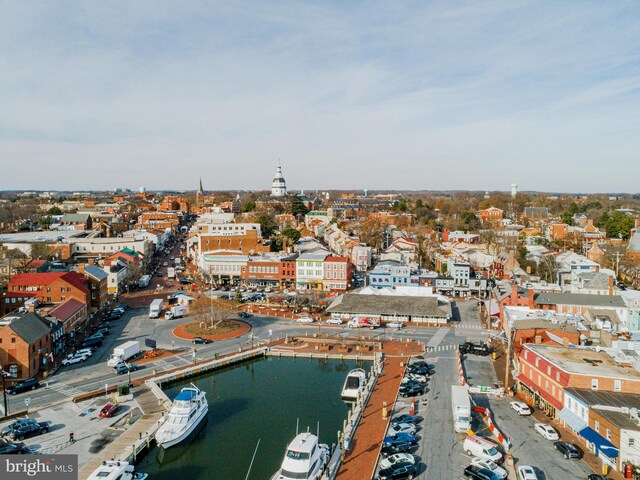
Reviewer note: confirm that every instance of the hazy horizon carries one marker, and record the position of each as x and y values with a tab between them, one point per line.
402	96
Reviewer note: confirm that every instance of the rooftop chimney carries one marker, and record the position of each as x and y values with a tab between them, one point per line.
610	285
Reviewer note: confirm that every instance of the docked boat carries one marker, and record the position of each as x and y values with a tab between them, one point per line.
305	459
354	384
116	469
189	409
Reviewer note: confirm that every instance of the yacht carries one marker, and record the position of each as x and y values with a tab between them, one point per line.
304	460
189	409
116	469
354	384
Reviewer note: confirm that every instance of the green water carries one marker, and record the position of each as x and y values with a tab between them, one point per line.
258	400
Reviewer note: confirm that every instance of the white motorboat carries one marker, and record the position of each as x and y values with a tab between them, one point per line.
189	408
116	469
304	460
354	384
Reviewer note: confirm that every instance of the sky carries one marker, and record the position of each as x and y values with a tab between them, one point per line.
423	95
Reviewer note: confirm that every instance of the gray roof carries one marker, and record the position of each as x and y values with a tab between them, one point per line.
75	217
31	327
579	299
97	273
541	323
351	303
596	398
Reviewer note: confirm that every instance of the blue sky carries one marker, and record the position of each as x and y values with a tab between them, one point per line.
378	95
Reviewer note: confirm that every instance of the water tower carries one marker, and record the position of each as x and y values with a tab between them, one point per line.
514	190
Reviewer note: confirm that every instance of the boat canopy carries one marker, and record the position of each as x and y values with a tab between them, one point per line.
187	394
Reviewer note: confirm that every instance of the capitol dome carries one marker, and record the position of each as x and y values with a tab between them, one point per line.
278	186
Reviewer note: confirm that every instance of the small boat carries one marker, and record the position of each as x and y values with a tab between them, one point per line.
116	469
305	459
354	384
189	408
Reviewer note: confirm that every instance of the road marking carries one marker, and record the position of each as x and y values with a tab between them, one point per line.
438	337
64	389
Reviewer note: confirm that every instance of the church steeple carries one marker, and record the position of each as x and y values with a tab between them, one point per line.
200	189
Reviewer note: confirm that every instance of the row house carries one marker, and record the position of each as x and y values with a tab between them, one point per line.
70	313
157	237
50	287
337	274
75	221
224	267
338	241
97	284
310	270
607	422
171	203
361	256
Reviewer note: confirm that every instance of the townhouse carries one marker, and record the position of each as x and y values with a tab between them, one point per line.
25	344
310	270
337	274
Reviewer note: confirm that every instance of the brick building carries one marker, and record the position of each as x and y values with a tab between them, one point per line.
71	314
25	340
97	284
545	371
52	287
162	220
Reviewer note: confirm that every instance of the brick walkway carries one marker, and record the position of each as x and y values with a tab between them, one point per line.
360	461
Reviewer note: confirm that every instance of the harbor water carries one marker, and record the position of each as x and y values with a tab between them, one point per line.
260	400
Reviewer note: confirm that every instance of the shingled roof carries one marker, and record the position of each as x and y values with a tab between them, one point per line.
351	303
31	327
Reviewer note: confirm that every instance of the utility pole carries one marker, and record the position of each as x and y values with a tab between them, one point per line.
4	390
508	365
617	255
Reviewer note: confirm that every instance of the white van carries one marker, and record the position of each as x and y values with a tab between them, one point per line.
481	447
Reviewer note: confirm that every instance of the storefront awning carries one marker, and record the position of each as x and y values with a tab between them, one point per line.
603	445
572	420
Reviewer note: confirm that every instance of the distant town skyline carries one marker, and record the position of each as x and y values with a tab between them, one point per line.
378	96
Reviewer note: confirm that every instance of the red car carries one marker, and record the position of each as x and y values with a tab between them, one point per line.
109	410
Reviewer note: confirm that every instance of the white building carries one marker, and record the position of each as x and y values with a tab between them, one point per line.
310	270
278	186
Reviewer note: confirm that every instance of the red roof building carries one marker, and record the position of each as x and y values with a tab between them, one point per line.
71	313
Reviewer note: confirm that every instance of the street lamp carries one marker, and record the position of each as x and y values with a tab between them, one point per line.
4	390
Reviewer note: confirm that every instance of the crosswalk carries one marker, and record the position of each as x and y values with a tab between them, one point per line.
442	348
470	326
64	389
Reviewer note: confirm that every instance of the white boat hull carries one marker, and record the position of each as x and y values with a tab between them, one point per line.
170	442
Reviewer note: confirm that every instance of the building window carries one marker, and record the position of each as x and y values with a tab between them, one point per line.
632	442
594	384
549	370
608	434
557	376
617	385
537	361
596	426
13	340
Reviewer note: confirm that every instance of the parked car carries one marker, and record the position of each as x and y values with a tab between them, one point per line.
568	450
200	340
521	408
13	448
29	430
304	320
419	370
411	390
23	386
398	471
422	364
91	343
409	428
102	331
497	470
122	368
400	447
185	281
84	351
18	423
104	325
416	377
165	264
334	321
71	359
397	458
399	438
394	325
478	473
527	472
109	410
547	431
244	315
406	418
